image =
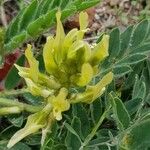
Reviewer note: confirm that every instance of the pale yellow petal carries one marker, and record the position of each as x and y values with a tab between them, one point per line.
99	88
37	89
87	52
86	75
23	71
100	51
59	39
33	63
18	136
93	92
10	110
34	123
48	81
83	20
48	56
68	41
107	79
74	48
60	104
57	114
79	53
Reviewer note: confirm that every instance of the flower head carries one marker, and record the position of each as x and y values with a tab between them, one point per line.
69	62
69	58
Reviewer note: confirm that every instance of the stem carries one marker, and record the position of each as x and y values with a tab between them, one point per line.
13	92
99	144
10	110
22	106
93	132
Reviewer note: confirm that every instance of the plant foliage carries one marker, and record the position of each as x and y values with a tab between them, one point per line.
38	17
128	48
117	120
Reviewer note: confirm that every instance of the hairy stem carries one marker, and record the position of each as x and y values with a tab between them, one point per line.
13	92
93	132
22	106
10	110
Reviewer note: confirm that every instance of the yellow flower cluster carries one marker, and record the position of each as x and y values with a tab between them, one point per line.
69	58
70	62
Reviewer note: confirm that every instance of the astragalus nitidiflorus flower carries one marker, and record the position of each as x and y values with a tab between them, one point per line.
70	63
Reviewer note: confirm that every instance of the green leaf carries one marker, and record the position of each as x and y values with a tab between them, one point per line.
13	28
49	145
139	33
44	7
49	142
76	126
121	70
33	100
28	15
16	120
137	137
13	78
127	48
145	48
94	130
133	105
125	39
130	80
132	59
114	43
73	140
33	140
96	110
59	147
86	4
37	26
80	112
97	141
139	89
146	75
120	112
139	97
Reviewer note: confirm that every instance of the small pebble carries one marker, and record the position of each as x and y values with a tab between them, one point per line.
97	17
